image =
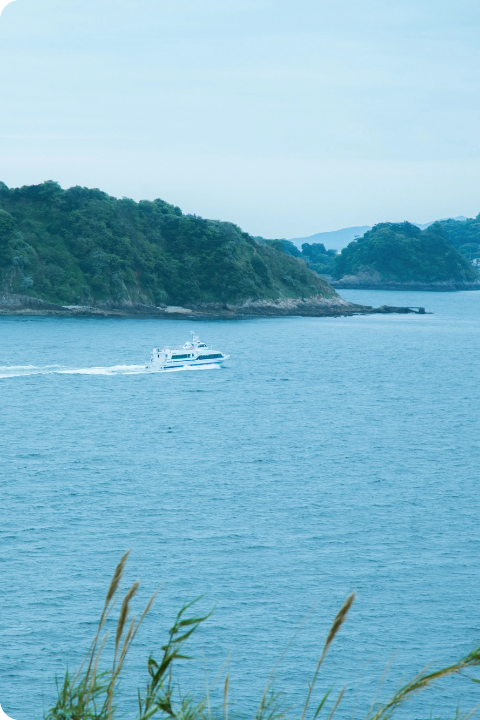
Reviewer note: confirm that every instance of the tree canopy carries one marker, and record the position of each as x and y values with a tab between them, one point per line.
315	255
464	235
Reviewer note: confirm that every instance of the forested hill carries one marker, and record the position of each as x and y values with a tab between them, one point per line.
402	253
464	235
81	246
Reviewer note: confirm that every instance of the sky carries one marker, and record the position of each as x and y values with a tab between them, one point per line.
287	118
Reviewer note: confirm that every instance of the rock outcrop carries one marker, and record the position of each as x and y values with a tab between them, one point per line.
373	280
12	304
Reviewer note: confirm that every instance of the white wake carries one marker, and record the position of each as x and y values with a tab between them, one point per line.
8	371
11	371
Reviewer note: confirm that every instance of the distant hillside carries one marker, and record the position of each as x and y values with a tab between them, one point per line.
400	254
334	240
81	246
338	239
315	255
464	235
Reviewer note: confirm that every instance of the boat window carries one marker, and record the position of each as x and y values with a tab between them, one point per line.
210	357
179	357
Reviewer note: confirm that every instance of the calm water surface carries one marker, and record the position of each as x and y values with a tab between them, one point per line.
328	455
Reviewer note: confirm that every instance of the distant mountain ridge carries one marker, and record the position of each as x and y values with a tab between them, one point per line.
335	239
459	218
339	239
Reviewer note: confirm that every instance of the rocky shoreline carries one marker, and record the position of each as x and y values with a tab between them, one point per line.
12	304
374	281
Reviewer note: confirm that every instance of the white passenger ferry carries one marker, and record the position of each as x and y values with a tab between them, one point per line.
194	354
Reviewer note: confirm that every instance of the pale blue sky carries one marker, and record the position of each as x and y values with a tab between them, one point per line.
288	118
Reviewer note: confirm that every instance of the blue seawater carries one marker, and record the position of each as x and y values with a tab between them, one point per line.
328	455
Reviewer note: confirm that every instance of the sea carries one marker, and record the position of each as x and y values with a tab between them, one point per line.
327	456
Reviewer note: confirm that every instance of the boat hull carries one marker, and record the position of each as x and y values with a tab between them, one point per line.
195	365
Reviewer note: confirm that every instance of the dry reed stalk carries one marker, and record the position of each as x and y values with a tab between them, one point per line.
270	680
471	713
336	625
384	675
90	678
94	671
339	620
117	576
122	618
225	697
129	638
127	642
133	629
423	680
207	689
339	700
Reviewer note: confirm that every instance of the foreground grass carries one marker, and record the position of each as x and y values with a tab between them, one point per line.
90	693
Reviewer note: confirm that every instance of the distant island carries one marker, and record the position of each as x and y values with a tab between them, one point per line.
80	250
402	256
444	255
